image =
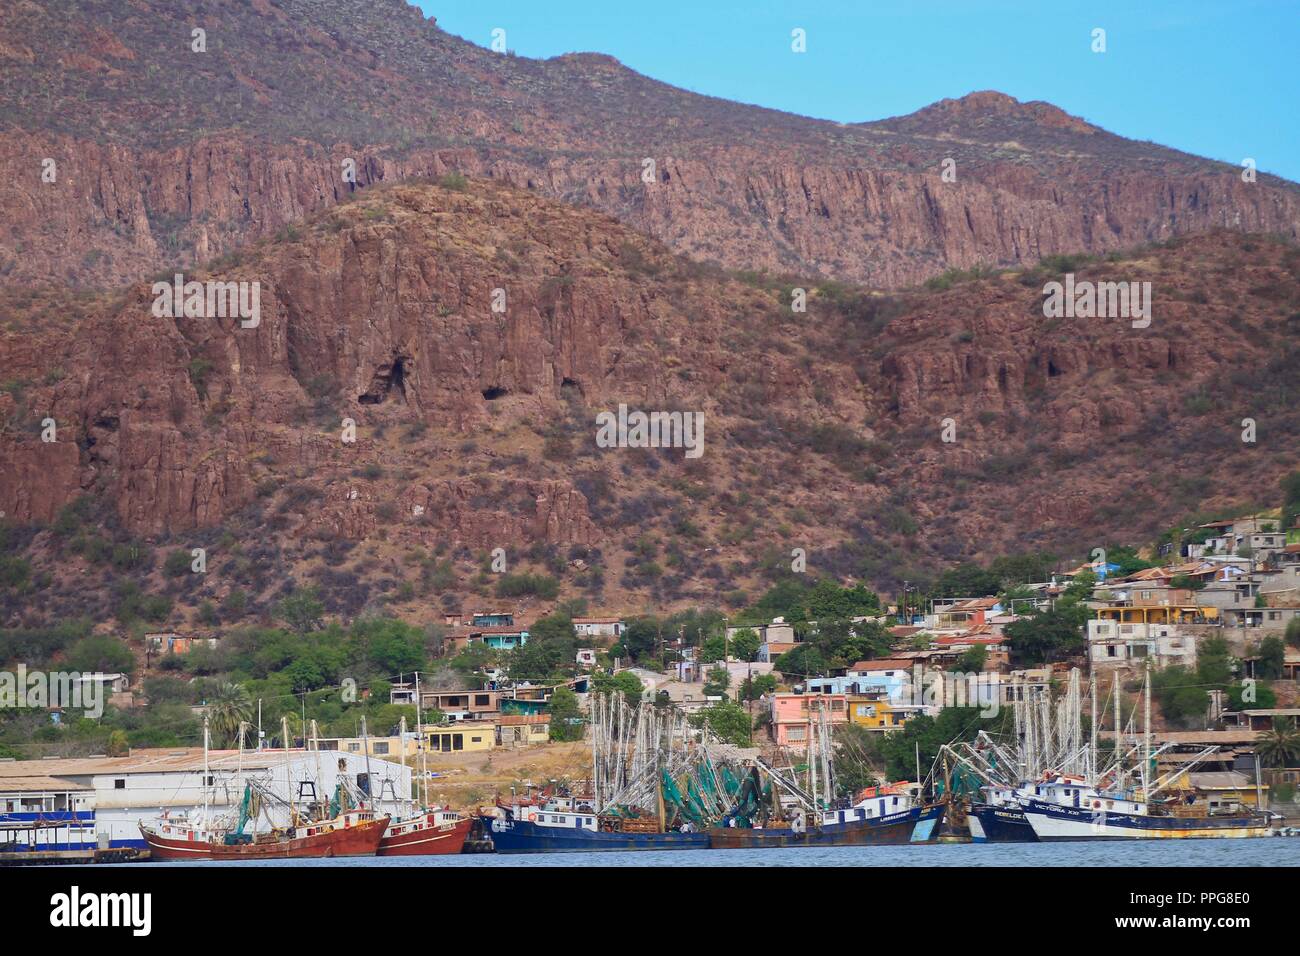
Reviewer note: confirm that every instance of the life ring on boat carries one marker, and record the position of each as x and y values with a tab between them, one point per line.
532	818
1096	804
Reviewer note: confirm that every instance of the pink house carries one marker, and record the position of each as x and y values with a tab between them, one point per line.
794	714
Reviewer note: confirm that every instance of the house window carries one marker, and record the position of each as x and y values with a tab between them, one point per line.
476	740
119	784
381	748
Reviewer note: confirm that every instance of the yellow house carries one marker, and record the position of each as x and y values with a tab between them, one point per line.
1158	614
450	738
875	714
460	737
390	748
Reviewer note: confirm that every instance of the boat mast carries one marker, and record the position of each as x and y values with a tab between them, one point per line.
823	740
365	744
597	728
1114	689
420	743
205	769
812	764
1146	731
1092	717
288	774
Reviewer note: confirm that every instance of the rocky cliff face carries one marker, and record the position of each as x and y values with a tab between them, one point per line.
421	383
882	434
165	156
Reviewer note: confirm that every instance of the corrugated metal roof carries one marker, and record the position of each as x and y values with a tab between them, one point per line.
1220	780
883	664
152	761
38	784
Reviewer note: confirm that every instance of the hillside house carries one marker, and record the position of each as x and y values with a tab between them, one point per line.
775	638
961	614
492	619
1113	642
462	705
605	628
795	715
521	730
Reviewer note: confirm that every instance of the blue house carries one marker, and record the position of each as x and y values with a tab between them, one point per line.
500	638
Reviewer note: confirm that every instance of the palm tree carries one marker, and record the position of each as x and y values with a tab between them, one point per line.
228	708
1279	747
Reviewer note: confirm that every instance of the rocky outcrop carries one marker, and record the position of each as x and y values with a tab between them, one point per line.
475	427
174	173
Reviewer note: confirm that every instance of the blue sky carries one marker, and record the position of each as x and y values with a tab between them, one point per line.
1218	79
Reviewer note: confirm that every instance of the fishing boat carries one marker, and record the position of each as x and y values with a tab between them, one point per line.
348	831
423	831
783	812
1128	799
990	776
875	820
431	833
546	828
998	818
655	786
1067	808
354	833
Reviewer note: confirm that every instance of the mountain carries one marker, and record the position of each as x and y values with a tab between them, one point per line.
164	156
476	429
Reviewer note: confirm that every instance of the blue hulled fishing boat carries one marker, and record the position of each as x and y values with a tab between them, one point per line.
549	829
998	818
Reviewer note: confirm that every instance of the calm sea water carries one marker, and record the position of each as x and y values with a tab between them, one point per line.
1267	851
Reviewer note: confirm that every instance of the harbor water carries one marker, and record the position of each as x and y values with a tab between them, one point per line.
1266	851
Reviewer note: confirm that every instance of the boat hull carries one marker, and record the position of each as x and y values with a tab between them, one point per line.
999	824
522	836
359	840
917	825
429	841
1052	823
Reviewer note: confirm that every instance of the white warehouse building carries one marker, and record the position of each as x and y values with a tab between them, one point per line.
83	802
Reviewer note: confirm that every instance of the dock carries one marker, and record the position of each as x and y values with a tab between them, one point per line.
121	854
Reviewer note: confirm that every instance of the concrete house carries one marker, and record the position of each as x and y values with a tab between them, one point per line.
610	628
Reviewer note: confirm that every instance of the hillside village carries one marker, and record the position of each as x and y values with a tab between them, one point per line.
496	699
